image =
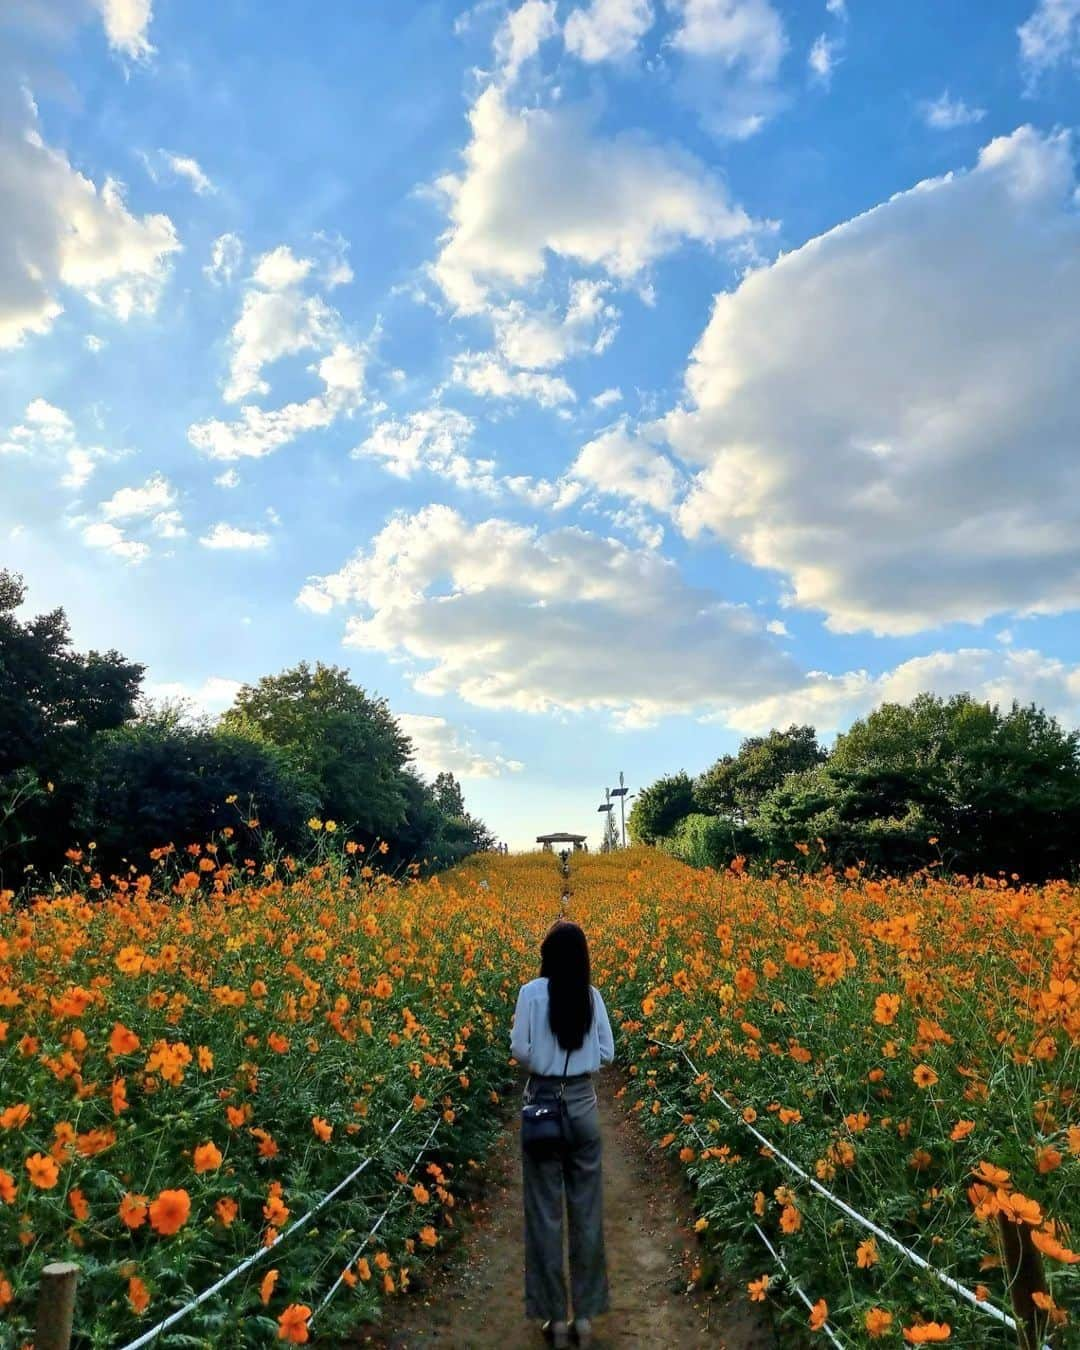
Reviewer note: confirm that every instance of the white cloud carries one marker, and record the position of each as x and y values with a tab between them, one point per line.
887	415
59	230
214	695
185	166
281	268
832	702
607	397
228	479
258	432
94	344
1050	36
621	464
224	536
48	434
275	322
226	255
439	747
507	617
837	8
112	539
126	24
155	495
488	377
733	50
608	30
946	113
169	525
434	440
541	181
777	626
540	339
521	34
822	58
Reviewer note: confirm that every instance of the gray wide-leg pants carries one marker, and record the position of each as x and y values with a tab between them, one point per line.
577	1174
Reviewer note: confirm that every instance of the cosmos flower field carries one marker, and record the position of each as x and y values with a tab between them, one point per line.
194	1058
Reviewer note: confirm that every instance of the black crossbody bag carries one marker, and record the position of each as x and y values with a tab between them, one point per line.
543	1131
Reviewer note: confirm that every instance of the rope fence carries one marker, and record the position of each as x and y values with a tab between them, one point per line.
988	1309
249	1261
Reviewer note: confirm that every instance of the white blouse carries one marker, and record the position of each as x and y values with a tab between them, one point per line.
533	1043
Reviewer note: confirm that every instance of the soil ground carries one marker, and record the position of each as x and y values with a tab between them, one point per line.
475	1302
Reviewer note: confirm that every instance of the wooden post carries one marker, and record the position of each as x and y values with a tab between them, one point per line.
1024	1269
56	1306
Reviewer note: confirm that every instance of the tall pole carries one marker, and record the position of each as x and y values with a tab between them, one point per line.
622	808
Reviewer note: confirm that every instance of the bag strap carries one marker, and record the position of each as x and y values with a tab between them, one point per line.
566	1065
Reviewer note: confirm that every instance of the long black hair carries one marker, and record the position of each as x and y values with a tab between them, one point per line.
564	962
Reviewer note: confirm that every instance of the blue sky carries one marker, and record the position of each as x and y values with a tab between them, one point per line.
599	380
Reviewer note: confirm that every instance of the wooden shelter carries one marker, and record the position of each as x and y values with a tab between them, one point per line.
577	841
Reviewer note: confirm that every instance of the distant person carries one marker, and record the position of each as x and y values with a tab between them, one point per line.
562	1036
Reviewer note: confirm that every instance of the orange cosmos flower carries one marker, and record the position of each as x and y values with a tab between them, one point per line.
138	1295
961	1130
133	1210
322	1128
790	1219
266	1288
275	1211
1047	1158
756	1288
924	1333
7	1188
383	987
278	1043
226	1209
43	1172
169	1212
993	1176
363	1269
14	1117
428	1236
292	1324
819	1315
79	1205
924	1076
118	1096
866	1253
886	1006
206	1158
421	1194
877	1322
123	1041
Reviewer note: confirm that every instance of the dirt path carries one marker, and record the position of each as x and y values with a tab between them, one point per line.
476	1302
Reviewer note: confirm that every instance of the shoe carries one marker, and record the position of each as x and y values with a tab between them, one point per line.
583	1331
557	1335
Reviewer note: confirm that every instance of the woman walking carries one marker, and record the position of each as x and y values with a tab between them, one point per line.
562	1036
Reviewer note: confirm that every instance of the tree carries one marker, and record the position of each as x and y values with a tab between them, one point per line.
53	702
737	784
660	807
448	794
347	746
161	780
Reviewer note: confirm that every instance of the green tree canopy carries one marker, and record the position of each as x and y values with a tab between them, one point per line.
346	744
737	784
659	807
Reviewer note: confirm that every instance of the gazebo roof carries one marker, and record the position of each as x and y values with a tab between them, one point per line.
561	838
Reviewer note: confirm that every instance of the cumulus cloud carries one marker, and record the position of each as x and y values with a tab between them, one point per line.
61	231
224	536
832	702
538	339
126	24
508	617
521	34
157	494
175	166
607	397
488	377
733	51
111	539
47	434
214	695
607	30
887	416
1050	36
541	181
434	440
946	113
619	463
439	747
822	59
258	432
226	255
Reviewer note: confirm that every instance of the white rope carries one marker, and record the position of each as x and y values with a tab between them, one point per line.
780	1262
255	1257
772	1250
375	1228
947	1280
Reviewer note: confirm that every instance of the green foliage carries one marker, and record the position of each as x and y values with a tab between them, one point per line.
660	807
346	745
160	780
737	784
706	841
